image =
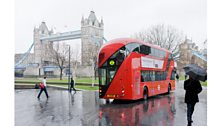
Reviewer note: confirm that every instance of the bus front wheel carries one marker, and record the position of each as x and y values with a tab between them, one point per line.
145	94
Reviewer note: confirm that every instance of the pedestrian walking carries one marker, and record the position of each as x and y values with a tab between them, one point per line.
43	87
72	85
193	88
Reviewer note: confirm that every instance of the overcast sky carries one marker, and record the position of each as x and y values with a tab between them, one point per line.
122	18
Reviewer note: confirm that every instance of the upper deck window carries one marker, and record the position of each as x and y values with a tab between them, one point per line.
158	53
145	49
132	47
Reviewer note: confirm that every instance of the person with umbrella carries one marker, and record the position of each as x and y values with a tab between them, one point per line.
193	87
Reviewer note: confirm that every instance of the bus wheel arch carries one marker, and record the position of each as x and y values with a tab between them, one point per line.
145	93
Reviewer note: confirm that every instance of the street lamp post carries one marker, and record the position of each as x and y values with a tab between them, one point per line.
68	67
93	73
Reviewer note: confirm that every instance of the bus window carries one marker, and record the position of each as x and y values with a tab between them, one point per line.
142	78
153	51
145	50
156	52
120	56
111	73
102	76
136	50
172	75
106	75
157	75
163	54
132	47
160	53
150	75
163	76
117	58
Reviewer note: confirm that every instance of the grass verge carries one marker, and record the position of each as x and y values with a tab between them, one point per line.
57	80
79	87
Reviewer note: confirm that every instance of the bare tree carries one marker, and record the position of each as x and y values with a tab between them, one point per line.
165	36
93	54
75	59
60	55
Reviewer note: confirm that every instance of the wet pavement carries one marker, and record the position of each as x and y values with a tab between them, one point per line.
61	109
85	109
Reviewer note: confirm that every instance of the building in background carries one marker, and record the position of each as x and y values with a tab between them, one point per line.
91	38
190	54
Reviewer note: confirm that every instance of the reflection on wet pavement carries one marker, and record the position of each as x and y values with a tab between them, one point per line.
157	111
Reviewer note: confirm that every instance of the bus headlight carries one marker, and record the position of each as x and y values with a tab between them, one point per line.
122	92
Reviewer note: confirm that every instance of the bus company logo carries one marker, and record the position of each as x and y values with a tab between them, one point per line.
112	62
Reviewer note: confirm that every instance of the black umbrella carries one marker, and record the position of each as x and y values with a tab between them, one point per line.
196	72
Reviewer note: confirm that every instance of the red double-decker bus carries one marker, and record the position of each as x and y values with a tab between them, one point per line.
131	69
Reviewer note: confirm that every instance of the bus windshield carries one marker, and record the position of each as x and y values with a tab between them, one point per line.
110	67
106	75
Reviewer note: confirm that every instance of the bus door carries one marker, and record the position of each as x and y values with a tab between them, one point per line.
136	77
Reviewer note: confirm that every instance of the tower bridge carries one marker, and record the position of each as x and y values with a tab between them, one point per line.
62	36
91	35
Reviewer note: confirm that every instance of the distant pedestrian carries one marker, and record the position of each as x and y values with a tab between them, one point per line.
193	88
72	85
43	88
177	76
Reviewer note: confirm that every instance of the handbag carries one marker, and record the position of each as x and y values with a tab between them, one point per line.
41	85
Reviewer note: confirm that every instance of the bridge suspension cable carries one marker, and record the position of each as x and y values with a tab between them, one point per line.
24	56
105	39
197	54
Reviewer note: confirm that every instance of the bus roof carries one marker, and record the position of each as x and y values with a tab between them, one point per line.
115	44
125	41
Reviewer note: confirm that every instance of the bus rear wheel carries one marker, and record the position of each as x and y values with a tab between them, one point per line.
145	94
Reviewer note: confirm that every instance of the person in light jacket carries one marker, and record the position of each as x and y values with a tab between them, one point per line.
44	81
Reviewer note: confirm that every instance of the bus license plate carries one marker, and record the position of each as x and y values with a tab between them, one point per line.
109	95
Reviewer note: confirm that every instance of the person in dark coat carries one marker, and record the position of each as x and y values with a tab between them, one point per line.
193	88
177	77
72	85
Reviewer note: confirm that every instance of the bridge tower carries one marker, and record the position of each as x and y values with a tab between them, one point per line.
91	38
41	49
